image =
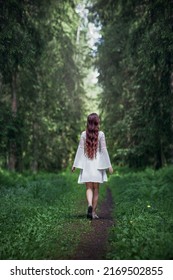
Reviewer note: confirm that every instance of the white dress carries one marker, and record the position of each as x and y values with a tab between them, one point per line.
92	170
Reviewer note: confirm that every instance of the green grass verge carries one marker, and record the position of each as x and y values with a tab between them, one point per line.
41	216
143	213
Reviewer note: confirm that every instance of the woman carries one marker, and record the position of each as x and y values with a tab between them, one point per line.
92	158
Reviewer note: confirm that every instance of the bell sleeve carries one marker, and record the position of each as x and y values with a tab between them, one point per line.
104	160
80	157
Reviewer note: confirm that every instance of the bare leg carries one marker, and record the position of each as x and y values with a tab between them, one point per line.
89	193
95	196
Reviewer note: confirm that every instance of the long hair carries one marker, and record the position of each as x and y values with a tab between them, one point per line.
92	131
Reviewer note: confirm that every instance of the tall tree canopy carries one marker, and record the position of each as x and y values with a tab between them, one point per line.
40	83
43	60
135	64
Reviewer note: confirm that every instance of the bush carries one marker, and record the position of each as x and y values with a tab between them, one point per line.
38	214
143	213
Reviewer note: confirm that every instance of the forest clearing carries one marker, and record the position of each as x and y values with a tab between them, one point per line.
59	62
44	217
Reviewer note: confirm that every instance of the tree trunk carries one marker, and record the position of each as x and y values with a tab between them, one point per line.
34	162
12	141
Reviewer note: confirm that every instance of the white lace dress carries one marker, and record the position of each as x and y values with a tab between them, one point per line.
92	170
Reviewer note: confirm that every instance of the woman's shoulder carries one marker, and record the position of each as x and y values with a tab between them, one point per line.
101	133
83	133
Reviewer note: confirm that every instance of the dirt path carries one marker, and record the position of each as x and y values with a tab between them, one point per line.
93	244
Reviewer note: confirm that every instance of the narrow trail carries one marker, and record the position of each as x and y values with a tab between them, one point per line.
93	244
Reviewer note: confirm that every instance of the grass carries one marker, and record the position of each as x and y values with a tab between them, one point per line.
41	216
143	212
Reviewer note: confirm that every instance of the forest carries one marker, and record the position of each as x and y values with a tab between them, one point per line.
42	68
46	93
41	84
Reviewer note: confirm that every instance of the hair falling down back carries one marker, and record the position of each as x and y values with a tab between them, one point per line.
92	132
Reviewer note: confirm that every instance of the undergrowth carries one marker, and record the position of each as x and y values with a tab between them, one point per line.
41	216
143	214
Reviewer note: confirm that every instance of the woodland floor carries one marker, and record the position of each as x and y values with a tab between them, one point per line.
93	245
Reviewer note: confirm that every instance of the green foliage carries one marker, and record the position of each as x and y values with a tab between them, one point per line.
143	214
41	102
41	216
135	64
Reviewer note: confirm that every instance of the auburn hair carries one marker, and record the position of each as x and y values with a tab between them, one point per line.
92	131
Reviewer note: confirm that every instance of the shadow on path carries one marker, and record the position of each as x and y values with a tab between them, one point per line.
93	244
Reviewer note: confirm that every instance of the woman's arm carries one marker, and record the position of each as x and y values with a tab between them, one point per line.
79	157
104	156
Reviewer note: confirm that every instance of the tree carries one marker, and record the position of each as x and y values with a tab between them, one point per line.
41	83
135	65
17	49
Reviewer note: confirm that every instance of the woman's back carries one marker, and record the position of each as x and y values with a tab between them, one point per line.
92	159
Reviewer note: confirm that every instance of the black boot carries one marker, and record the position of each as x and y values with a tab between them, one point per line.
89	213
